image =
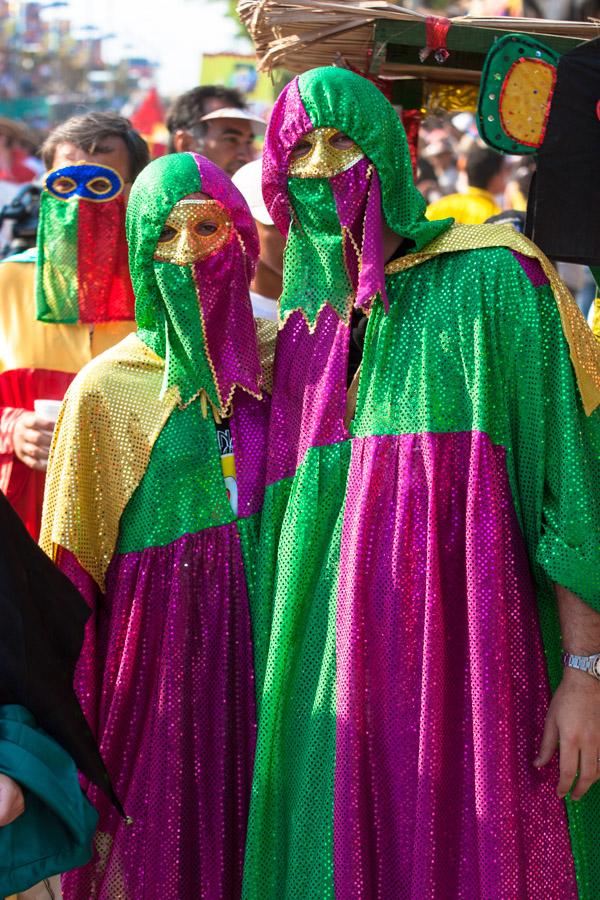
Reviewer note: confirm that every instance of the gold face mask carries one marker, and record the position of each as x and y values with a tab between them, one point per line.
323	153
194	229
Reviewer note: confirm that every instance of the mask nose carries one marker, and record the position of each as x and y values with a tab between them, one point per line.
318	156
183	244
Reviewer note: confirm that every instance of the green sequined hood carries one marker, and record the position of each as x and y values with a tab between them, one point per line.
336	98
197	317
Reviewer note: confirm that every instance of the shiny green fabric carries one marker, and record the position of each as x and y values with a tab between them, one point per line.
314	265
336	98
468	344
57	283
182	490
166	302
298	673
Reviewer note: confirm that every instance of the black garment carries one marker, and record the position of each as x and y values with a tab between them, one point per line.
358	327
565	193
42	619
358	323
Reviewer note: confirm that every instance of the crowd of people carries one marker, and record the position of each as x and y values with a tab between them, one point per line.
311	446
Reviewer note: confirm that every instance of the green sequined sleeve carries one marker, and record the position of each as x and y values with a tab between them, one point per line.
557	451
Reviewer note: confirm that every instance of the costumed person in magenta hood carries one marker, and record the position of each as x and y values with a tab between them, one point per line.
413	532
155	485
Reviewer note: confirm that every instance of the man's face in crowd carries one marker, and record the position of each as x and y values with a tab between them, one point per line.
110	151
229	143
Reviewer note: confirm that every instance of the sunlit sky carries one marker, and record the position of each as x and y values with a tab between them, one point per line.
173	32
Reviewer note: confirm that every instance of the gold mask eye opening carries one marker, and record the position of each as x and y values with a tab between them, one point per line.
64	185
99	186
168	234
301	149
193	230
206	228
341	141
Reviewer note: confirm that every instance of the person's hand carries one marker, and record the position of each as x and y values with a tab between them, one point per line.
12	804
31	439
573	725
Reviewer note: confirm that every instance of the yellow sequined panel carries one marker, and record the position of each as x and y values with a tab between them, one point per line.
596	321
320	157
266	332
583	347
102	443
525	100
451	98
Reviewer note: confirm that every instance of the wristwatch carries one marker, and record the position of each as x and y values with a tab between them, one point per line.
589	664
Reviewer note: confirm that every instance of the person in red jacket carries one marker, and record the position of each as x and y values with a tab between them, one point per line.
43	347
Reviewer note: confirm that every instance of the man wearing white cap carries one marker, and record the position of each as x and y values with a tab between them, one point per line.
267	285
213	120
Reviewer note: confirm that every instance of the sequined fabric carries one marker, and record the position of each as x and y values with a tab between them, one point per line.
360	214
174	716
315	273
441	683
334	251
309	394
197	317
185	469
82	270
583	348
406	631
102	444
139	516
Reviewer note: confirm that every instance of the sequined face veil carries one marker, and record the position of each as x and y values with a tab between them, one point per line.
335	242
82	271
336	165
192	260
336	204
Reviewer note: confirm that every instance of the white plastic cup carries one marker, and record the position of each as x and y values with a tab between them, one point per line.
49	409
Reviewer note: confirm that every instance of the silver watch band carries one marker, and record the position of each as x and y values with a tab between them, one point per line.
589	664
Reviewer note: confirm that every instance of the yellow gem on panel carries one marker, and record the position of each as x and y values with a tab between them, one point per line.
526	100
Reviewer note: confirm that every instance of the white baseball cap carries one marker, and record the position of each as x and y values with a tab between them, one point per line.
248	181
232	112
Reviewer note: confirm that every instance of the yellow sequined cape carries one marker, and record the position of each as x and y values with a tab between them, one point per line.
107	427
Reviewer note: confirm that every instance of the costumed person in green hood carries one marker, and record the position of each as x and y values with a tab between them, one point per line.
46	823
154	491
407	627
